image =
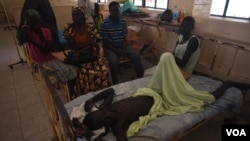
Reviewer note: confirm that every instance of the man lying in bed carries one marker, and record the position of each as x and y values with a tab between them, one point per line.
168	93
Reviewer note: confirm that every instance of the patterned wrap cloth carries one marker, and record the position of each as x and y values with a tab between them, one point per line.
93	76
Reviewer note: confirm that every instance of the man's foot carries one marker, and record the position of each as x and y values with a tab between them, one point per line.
241	86
227	84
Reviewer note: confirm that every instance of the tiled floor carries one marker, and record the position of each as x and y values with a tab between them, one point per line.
24	116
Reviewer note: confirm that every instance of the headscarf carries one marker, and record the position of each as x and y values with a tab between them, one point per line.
78	9
32	15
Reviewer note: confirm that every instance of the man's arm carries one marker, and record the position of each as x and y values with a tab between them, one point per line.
120	131
106	44
119	51
107	95
81	130
22	35
105	38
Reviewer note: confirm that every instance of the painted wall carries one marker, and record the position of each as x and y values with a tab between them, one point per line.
62	9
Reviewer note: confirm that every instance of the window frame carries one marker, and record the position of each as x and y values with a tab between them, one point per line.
99	1
143	4
225	11
155	4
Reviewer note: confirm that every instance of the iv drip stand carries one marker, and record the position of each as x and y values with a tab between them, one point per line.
13	35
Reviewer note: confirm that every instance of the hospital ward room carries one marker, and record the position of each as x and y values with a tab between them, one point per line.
125	70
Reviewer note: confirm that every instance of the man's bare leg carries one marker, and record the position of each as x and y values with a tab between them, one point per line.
227	84
220	91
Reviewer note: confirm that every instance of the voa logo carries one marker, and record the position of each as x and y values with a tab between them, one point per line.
236	132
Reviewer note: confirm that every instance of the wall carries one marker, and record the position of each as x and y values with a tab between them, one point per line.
233	30
7	5
61	8
182	5
226	58
62	13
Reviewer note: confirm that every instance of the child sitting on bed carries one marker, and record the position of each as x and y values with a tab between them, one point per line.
168	93
187	49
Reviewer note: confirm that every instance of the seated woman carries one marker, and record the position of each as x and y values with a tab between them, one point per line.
187	49
79	33
81	36
39	42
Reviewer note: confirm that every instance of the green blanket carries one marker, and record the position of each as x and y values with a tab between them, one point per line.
172	94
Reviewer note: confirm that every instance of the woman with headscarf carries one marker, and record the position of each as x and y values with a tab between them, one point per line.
79	32
81	35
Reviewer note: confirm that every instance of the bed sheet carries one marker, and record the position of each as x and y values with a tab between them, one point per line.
167	127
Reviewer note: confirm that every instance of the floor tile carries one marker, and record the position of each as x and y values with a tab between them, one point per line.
8	100
34	125
32	111
45	135
12	132
27	96
9	117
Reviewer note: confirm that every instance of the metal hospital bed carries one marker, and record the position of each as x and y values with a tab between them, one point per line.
162	129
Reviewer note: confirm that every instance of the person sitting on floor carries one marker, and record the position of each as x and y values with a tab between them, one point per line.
168	93
187	48
39	40
113	33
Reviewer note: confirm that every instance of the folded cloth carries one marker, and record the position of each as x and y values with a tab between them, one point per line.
172	94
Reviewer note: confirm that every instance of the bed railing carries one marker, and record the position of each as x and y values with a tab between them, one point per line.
57	113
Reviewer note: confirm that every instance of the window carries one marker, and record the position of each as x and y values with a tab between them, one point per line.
101	1
137	2
231	8
160	4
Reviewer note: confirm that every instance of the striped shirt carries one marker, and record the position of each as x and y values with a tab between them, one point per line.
114	32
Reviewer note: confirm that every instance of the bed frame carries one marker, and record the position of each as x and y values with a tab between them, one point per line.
60	119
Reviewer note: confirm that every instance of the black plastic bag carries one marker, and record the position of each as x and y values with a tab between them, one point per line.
85	54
